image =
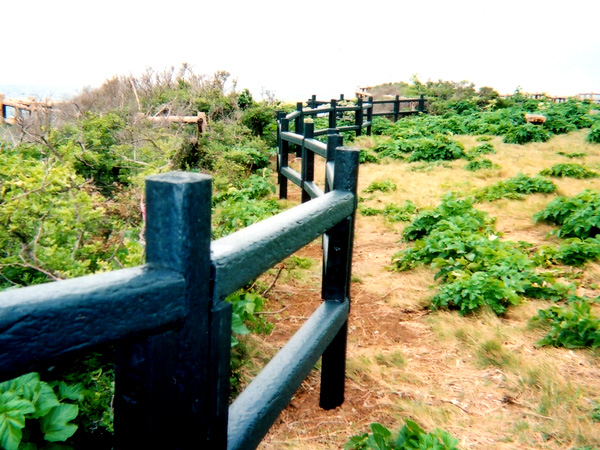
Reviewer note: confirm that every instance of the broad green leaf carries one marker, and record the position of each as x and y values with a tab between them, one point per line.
55	425
73	392
11	426
237	325
379	440
44	400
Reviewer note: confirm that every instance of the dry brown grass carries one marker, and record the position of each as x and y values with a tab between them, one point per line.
481	378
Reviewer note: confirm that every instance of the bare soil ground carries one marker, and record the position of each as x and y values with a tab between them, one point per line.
481	378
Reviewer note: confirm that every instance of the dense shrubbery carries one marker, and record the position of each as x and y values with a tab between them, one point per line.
458	109
71	201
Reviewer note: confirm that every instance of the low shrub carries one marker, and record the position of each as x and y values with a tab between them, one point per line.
569	170
381	186
578	216
410	437
515	188
572	327
480	164
523	134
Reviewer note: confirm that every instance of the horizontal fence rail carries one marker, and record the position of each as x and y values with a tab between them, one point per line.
172	328
303	138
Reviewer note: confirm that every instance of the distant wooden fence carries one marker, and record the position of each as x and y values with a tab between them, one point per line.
591	96
302	138
20	106
199	119
394	107
172	328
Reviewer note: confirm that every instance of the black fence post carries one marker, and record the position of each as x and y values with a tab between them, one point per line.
282	158
299	127
396	108
312	102
337	268
358	117
421	105
370	116
333	117
308	161
163	393
333	141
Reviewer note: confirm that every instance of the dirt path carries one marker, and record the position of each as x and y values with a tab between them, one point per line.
480	378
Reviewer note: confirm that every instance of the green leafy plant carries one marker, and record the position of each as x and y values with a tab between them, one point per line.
572	154
570	170
381	186
515	188
523	134
450	207
32	413
245	305
480	164
410	437
483	149
572	327
477	268
244	320
576	251
593	135
392	212
437	148
578	216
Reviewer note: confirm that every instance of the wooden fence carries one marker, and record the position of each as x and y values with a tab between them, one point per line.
21	107
172	328
302	138
593	97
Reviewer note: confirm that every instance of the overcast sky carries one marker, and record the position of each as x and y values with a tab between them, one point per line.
303	47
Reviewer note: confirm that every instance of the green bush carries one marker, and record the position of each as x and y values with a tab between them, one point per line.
381	186
570	170
32	414
480	164
523	134
477	269
438	148
593	135
578	216
451	207
515	188
571	327
410	437
483	149
260	119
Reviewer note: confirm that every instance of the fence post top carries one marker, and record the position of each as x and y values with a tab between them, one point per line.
179	177
347	149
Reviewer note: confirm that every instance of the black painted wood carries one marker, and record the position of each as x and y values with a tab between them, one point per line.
259	405
308	162
163	395
241	257
171	325
39	323
337	271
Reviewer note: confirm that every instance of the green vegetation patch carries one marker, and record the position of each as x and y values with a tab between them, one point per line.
578	216
476	267
480	164
410	437
515	188
569	170
573	326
